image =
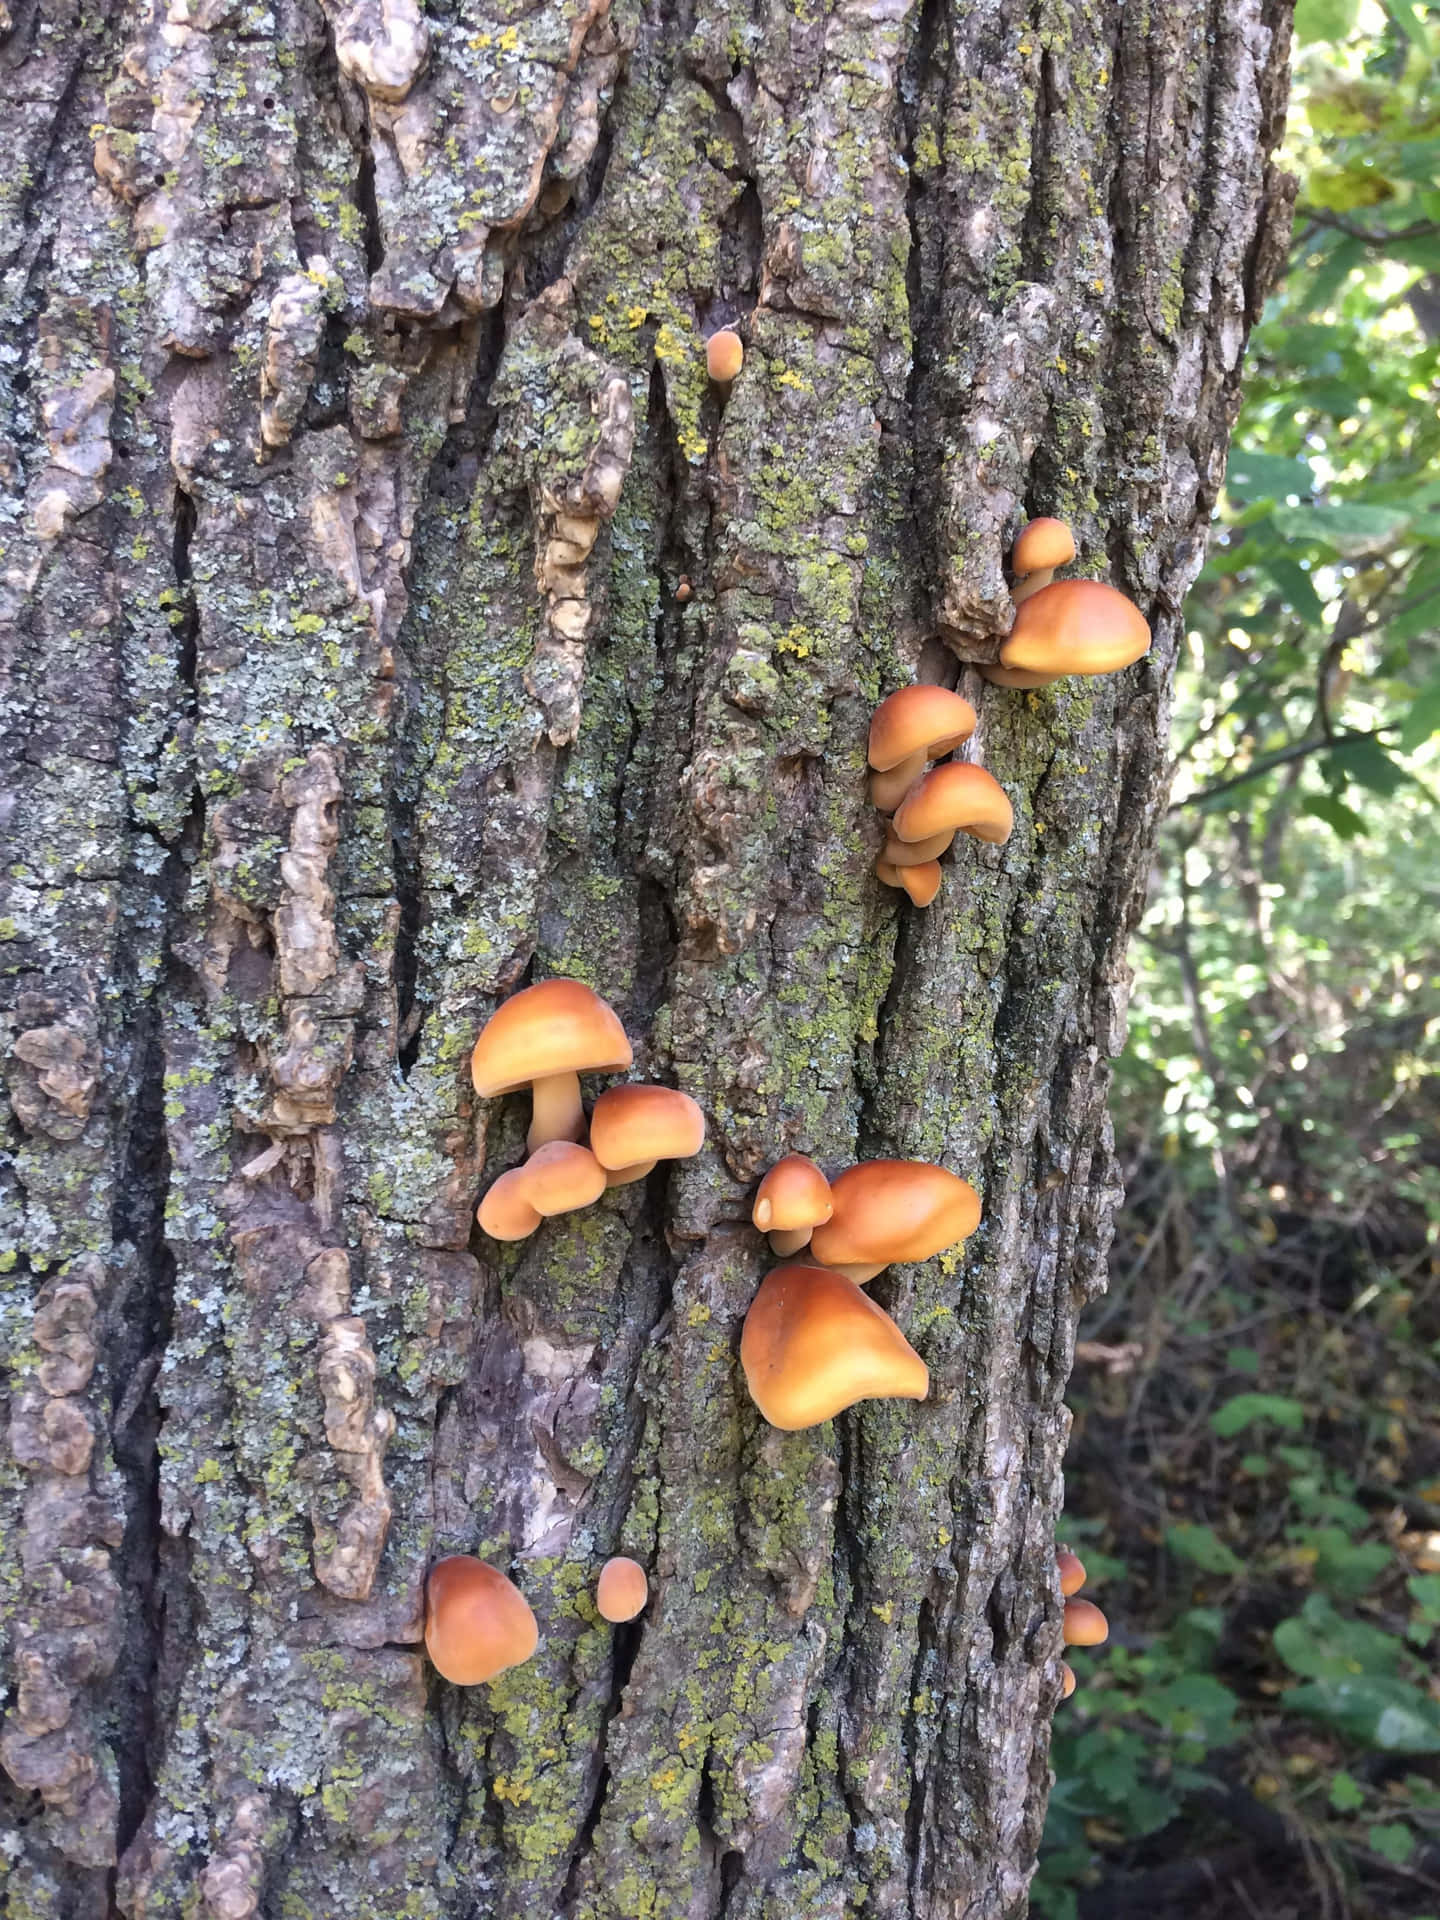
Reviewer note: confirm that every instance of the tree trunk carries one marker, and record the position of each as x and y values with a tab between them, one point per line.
395	611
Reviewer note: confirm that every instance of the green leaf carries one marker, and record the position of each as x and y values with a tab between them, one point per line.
1242	1360
1203	1548
1424	1590
1346	1793
1245	1409
1324	806
1368	764
1422	719
1257	476
1349	526
1403	13
1320	1643
1393	1841
1296	586
1385	1713
1324	20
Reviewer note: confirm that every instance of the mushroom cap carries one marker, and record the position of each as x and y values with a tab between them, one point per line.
560	1177
1076	626
931	720
560	1026
814	1344
919	878
477	1623
793	1194
506	1212
1085	1624
887	1210
956	797
622	1589
1043	543
724	355
1072	1571
630	1124
1067	1680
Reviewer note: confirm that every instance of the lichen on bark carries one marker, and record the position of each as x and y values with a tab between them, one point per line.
357	440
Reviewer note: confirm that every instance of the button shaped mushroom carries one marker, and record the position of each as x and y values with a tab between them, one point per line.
1042	546
724	356
545	1037
633	1127
909	728
1072	1571
889	1210
955	798
557	1178
919	878
477	1623
790	1202
1072	626
622	1589
1085	1624
1067	1680
814	1344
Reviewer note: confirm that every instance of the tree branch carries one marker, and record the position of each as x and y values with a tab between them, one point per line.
1299	750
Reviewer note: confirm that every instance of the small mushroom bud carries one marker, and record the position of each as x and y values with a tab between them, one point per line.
545	1037
790	1202
477	1623
814	1344
557	1178
622	1590
724	356
909	728
919	878
1042	547
684	591
1067	1680
1085	1624
1072	1571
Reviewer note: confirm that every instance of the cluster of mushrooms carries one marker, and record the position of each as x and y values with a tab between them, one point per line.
814	1342
1061	627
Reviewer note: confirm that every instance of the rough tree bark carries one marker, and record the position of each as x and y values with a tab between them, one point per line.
358	444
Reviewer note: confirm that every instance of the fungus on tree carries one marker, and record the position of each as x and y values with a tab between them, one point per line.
545	1037
724	356
622	1589
1071	626
909	728
1085	1624
1067	1680
477	1623
1072	1571
889	1210
919	878
955	798
557	1178
1042	546
790	1202
632	1127
814	1344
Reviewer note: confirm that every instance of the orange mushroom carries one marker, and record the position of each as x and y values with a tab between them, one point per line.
622	1589
557	1178
919	878
477	1623
790	1202
632	1127
724	356
1071	626
1043	545
888	1210
1072	1571
1067	1680
814	1344
545	1037
1085	1624
909	728
955	798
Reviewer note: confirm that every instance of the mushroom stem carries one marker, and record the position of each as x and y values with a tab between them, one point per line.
888	789
1029	583
856	1270
556	1112
787	1243
999	676
625	1176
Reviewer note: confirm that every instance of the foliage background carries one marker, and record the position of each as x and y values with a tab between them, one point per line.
1254	1479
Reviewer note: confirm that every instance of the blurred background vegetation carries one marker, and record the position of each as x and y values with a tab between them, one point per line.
1254	1476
